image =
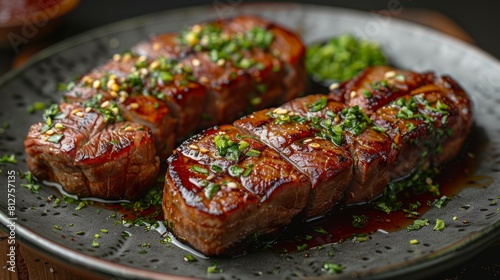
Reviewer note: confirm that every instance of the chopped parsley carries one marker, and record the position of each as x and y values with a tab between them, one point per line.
342	57
8	159
211	190
417	224
332	267
359	221
440	225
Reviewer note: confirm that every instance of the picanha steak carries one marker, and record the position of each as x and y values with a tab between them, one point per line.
120	120
252	177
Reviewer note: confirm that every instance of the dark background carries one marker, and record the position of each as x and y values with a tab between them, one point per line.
480	19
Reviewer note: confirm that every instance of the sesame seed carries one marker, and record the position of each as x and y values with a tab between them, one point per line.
232	185
204	79
113	94
337	118
333	86
143	71
110	83
74	111
155	64
222	132
123	94
59	126
115	87
307	140
87	80
117	57
221	61
281	111
353	94
193	147
203	150
105	104
196	28
128	129
79	114
88	109
134	105
196	62
112	77
156	46
49	132
96	84
428	181
210	177
455	218
126	57
314	145
115	110
122	99
389	74
142	58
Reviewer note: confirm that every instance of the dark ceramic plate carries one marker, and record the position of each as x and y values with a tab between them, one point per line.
382	256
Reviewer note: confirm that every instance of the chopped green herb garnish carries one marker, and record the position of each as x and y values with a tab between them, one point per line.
214	268
359	221
318	105
199	169
8	159
248	170
216	168
342	57
95	244
235	170
417	224
320	230
211	190
58	227
55	138
301	247
253	153
332	267
440	225
189	258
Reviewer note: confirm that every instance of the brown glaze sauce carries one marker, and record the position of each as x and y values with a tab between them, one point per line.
337	225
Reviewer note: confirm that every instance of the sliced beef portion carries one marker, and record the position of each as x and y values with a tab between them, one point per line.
228	89
341	149
372	152
328	166
90	156
223	186
270	55
376	86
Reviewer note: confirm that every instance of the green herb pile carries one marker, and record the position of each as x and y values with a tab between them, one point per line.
342	57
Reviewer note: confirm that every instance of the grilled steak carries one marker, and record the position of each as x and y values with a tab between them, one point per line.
224	186
82	151
175	84
347	153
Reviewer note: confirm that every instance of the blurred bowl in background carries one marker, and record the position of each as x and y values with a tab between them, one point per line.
24	21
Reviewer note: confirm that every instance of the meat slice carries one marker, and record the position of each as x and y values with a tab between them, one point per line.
89	155
228	88
372	152
223	186
328	166
162	83
376	86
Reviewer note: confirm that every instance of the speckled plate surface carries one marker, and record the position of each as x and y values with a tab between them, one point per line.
382	256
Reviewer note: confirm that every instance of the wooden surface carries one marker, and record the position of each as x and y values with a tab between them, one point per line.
31	264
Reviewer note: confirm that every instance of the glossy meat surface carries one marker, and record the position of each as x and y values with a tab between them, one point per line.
92	158
348	154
